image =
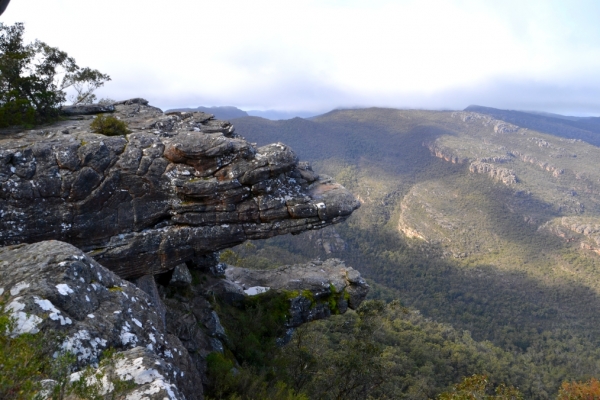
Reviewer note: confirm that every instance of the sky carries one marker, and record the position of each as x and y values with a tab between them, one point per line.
315	56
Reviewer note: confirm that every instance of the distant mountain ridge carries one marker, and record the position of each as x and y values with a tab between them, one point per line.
230	112
586	129
276	115
220	112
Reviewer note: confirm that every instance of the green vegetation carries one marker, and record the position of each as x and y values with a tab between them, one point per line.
34	77
513	265
253	327
380	351
22	361
27	359
478	387
109	126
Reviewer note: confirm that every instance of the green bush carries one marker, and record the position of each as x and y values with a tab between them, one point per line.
34	78
22	361
109	126
17	112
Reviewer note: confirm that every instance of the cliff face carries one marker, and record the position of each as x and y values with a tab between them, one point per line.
180	186
153	207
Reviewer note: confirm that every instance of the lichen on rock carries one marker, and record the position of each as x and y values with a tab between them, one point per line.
58	288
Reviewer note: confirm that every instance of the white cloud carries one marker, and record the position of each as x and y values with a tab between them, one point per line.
316	55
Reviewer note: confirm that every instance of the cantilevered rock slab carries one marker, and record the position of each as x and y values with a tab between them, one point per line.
181	185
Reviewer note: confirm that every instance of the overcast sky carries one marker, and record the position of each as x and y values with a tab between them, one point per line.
319	55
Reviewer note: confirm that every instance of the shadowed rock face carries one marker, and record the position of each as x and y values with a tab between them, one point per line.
179	186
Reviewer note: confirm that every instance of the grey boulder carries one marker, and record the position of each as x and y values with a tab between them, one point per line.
54	287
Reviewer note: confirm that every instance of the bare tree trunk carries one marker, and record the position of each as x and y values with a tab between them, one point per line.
3	5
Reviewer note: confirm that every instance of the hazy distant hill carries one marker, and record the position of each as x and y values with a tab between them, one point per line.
487	224
223	112
586	129
279	115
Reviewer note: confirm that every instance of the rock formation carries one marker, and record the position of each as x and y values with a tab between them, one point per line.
324	281
504	175
53	286
180	186
153	207
499	126
582	229
443	153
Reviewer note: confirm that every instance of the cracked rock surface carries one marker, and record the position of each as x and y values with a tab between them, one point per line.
53	286
179	186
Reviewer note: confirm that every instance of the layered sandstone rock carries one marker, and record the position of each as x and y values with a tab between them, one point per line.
180	186
504	175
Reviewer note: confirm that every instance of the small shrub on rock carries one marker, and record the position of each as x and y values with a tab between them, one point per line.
109	126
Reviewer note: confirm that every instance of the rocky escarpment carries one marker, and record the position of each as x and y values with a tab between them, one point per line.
315	290
579	229
499	126
153	207
444	153
481	166
504	175
179	186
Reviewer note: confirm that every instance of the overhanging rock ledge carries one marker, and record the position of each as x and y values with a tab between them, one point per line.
179	186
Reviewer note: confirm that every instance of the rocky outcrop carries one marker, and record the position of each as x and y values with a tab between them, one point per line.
556	172
153	207
444	153
504	175
164	327
499	126
55	287
585	230
315	290
87	109
180	186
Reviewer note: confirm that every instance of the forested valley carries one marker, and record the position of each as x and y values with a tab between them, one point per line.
470	274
